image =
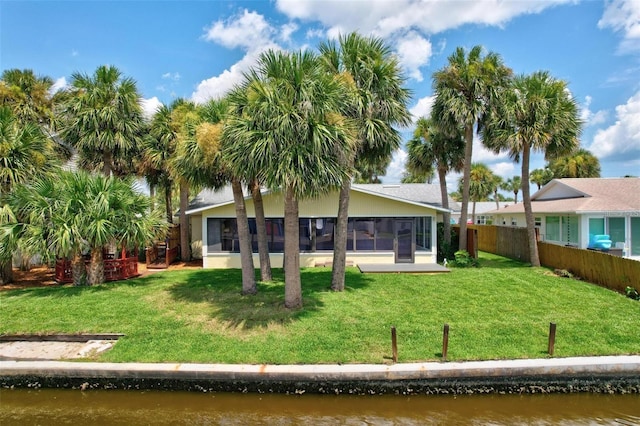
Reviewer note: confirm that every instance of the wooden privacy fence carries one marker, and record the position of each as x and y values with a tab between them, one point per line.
507	241
597	267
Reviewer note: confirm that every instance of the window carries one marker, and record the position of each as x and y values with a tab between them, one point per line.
552	231
635	236
616	230
570	229
316	234
222	235
514	221
423	233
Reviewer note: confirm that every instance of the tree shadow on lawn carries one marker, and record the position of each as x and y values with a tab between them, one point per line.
221	290
499	262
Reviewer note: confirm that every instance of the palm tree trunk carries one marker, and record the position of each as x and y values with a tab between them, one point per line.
446	216
96	267
473	214
185	246
152	196
528	212
6	272
263	247
78	270
468	151
246	253
292	284
496	198
340	239
107	159
167	202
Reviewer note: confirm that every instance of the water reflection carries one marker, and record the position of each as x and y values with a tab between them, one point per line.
58	407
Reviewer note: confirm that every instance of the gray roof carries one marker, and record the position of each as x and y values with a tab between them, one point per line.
421	193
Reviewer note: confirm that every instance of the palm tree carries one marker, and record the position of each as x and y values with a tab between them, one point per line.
158	147
66	215
377	102
579	164
214	113
103	120
465	91
430	146
536	114
29	97
514	185
286	129
497	185
541	176
25	153
481	185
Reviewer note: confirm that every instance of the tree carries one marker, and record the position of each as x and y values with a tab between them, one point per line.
214	113
431	146
73	213
513	185
497	184
465	90
25	153
541	176
537	113
481	185
31	99
377	102
287	130
579	164
158	147
103	120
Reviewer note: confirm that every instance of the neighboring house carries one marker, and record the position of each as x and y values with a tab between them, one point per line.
571	211
387	224
482	216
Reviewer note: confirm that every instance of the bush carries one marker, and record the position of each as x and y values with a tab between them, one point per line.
446	251
464	260
632	293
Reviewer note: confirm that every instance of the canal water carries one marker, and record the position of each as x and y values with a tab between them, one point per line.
110	407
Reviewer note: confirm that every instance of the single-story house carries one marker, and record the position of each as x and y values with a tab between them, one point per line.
572	211
387	224
482	217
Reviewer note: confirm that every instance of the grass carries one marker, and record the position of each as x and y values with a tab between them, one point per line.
499	311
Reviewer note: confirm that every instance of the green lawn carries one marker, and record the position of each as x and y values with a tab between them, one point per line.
499	311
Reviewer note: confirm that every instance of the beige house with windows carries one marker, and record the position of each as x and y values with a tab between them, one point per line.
387	224
572	211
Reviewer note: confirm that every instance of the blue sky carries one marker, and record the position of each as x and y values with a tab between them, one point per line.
199	49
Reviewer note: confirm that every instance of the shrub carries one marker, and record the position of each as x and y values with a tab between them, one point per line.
464	260
632	293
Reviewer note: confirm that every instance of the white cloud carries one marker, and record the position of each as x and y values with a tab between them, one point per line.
396	167
169	76
247	30
590	118
422	108
218	86
385	17
315	33
413	52
621	139
150	106
504	169
59	84
623	16
286	30
483	155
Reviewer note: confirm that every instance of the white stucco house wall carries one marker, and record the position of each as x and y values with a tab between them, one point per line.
387	224
570	211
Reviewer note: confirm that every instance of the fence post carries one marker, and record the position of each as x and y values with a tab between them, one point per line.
445	341
394	344
552	338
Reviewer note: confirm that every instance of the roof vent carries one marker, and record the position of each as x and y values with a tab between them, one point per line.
391	186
